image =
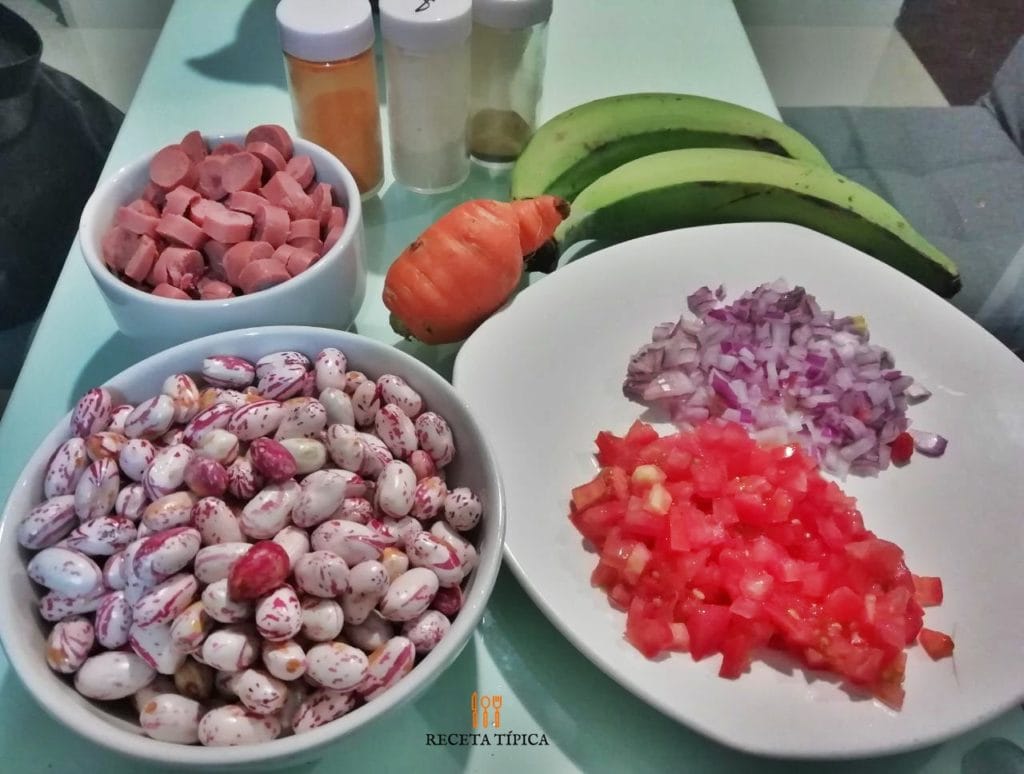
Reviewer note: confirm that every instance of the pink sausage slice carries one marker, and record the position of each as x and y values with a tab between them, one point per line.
226	149
304	228
300	260
180	231
139	217
274	135
117	247
241	255
271	225
154	194
242	172
214	290
171	167
202	209
180	199
269	157
308	243
214	252
338	217
245	201
262	274
209	172
302	169
141	263
228	226
284	191
321	194
169	291
194	146
332	238
177	266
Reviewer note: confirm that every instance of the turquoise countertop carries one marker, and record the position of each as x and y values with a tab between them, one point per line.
217	67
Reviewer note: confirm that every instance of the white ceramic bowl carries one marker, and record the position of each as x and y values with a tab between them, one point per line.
329	293
23	632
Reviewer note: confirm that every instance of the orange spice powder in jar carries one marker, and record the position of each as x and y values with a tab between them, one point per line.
328	54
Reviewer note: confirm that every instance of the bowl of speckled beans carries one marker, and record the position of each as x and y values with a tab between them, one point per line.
246	547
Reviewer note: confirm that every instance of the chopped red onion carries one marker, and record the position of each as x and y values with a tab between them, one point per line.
929	444
775	361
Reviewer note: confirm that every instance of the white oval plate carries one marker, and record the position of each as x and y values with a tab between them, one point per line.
544	375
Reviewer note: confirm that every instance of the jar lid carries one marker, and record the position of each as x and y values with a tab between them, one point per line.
511	14
425	25
325	30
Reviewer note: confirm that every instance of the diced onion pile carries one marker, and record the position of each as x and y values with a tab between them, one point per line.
777	363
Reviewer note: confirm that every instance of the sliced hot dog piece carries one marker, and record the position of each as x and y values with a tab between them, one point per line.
271	225
284	191
228	226
332	238
308	243
302	169
201	210
321	195
142	260
171	167
300	260
214	252
154	194
274	135
242	172
272	161
194	146
303	228
241	255
227	149
139	217
262	274
180	199
117	247
169	291
177	266
245	201
180	231
209	172
214	290
338	217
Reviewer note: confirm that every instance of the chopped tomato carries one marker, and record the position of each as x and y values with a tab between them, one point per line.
901	448
713	544
936	644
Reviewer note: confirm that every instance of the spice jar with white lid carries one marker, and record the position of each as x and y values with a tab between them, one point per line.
509	51
427	61
328	53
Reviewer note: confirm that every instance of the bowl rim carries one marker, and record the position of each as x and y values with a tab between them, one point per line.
110	282
139	747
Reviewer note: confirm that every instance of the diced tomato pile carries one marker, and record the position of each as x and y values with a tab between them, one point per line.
713	544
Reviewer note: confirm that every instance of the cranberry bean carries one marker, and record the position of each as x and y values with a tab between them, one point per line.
228	371
387	665
163	554
191	627
104	444
231	648
409	595
154	646
303	418
113	620
395	561
234	725
330	365
194	680
396	430
48	522
284	660
394	389
353	380
367	584
295	542
338	405
218	445
261	693
243	480
170	717
462	509
310	454
256	420
357	509
169	511
131	502
322	492
213	563
206	477
56	606
371	633
102	536
322	574
272	460
164	602
279	615
135	457
151	418
97	489
403	529
259	571
448	601
269	363
435	437
65	571
426	630
422	465
69	644
213	417
66	467
321	707
428	498
425	550
366	403
269	511
112	571
92	412
322	619
118	416
376	455
114	674
184	395
221	606
345	447
462	547
336	665
282	381
167	471
396	488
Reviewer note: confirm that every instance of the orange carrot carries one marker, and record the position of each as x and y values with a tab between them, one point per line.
465	266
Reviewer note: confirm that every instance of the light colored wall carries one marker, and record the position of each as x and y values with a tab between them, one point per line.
119	14
819	13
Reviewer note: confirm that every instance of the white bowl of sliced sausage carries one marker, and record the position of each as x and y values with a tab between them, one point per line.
216	232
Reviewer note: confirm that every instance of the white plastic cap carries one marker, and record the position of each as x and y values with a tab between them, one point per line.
511	14
425	25
325	30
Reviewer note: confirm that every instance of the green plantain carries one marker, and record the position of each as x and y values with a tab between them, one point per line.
578	146
703	186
